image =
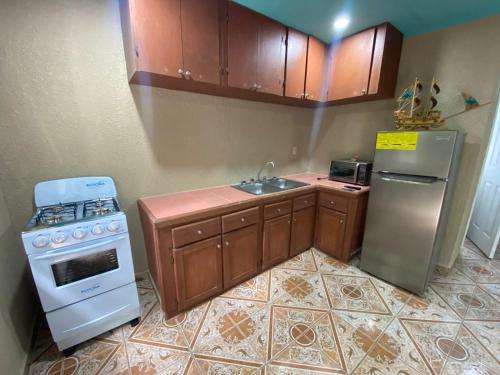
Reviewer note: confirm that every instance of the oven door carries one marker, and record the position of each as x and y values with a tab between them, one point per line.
71	274
345	171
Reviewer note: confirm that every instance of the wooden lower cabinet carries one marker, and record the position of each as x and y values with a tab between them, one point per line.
240	254
330	231
302	236
198	271
276	241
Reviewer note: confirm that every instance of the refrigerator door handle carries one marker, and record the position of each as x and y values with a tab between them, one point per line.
406	179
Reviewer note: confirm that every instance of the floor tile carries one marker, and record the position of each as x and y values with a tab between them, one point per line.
357	332
432	339
468	356
304	339
492	289
143	280
480	270
482	306
354	293
429	307
303	261
256	289
453	276
298	288
328	265
90	357
487	333
148	359
284	370
216	366
234	329
457	296
394	298
178	331
393	353
147	299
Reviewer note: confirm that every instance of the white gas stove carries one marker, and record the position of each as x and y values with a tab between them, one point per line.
78	248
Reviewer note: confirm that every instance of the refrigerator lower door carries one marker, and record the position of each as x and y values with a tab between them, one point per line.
401	228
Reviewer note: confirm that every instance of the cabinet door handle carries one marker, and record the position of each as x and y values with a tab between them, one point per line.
341	221
180	71
242	219
188	73
306	202
288	221
332	203
294	220
226	243
200	232
363	91
278	210
218	246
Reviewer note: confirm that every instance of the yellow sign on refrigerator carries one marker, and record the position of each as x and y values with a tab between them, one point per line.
405	141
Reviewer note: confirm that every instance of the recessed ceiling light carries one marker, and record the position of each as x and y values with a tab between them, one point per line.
341	22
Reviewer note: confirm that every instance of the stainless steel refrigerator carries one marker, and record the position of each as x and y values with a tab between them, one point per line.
414	174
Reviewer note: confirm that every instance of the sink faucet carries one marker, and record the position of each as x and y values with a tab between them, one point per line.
263	167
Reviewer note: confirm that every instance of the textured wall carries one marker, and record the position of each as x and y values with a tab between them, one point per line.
463	58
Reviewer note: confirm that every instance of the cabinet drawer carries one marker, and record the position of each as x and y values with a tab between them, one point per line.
333	201
195	232
277	209
304	201
240	219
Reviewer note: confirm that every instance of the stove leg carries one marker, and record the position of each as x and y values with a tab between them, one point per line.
70	351
134	322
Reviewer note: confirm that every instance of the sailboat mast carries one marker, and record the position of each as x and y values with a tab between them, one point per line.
413	97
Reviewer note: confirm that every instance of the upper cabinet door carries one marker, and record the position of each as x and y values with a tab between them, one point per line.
316	83
296	58
242	47
271	56
200	40
158	42
350	70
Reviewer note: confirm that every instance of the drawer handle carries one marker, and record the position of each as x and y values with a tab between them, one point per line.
278	210
226	243
200	232
341	221
288	221
332	203
242	219
218	246
306	202
294	220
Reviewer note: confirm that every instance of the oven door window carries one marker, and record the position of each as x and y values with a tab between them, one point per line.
84	267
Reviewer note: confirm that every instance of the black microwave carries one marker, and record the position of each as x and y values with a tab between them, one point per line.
351	171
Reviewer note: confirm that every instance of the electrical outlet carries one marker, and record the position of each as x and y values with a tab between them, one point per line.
294	150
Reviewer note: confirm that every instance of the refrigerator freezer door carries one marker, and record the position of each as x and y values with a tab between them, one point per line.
432	157
401	228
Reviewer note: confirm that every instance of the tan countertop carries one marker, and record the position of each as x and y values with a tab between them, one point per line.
174	206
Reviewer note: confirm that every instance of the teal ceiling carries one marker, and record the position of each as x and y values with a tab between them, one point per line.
412	17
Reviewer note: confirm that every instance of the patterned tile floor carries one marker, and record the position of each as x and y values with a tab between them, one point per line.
310	315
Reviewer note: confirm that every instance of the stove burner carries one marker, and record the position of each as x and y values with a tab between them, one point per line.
57	214
99	207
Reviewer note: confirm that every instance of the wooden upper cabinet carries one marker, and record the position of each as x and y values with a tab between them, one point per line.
200	22
385	62
271	56
350	66
296	60
157	36
316	79
255	51
242	46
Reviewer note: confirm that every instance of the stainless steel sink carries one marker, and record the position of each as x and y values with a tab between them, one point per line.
268	186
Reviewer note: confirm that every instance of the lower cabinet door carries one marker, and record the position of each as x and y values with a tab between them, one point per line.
198	271
330	230
276	241
302	230
240	254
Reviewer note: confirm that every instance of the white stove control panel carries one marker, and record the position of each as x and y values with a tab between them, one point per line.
70	234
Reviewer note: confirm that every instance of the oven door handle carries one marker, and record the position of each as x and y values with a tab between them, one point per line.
59	252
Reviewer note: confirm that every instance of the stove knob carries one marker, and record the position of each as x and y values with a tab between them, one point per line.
114	226
40	241
98	229
59	237
79	233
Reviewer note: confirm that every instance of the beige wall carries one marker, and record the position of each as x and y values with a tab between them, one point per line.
463	58
16	301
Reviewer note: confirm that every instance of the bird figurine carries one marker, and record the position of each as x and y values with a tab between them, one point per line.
469	101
